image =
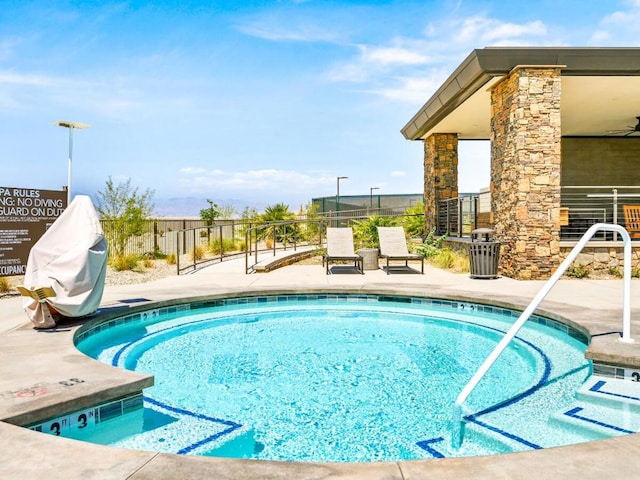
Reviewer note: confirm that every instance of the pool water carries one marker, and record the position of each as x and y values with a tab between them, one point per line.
339	381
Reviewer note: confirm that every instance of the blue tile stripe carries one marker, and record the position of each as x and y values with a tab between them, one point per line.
233	426
597	387
183	411
508	435
95	327
573	413
426	445
542	381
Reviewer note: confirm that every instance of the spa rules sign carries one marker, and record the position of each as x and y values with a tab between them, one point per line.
25	214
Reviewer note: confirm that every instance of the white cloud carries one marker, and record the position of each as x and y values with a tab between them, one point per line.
391	56
270	29
412	90
492	31
624	17
599	37
372	60
621	25
267	180
409	70
27	79
398	173
199	171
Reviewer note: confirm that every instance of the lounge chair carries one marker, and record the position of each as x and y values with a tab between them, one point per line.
340	248
38	308
632	220
393	246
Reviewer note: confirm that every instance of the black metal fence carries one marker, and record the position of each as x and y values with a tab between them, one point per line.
580	208
198	246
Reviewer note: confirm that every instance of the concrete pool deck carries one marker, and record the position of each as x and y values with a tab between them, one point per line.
43	375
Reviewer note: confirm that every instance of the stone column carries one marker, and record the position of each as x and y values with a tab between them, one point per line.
440	174
525	170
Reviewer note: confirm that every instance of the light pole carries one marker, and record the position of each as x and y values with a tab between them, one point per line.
371	195
338	196
70	126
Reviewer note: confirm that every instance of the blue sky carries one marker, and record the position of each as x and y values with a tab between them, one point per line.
253	102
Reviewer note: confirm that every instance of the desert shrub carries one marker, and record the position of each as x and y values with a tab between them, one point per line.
413	221
125	212
171	259
449	259
5	285
615	272
197	253
121	263
155	255
431	245
365	232
310	232
577	271
228	245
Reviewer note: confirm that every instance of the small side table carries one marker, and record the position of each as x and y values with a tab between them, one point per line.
369	258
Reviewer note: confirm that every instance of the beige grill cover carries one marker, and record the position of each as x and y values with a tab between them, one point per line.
71	258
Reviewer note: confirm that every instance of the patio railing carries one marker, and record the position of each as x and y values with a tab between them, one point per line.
192	246
458	217
580	208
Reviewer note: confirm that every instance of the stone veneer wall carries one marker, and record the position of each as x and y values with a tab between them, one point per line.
525	171
440	174
603	261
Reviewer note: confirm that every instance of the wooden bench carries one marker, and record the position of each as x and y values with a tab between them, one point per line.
632	220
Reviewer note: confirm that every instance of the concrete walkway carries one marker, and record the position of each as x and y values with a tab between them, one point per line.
36	368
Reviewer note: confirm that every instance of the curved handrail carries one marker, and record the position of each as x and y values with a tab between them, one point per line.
458	418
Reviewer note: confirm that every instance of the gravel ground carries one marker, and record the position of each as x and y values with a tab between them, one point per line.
160	269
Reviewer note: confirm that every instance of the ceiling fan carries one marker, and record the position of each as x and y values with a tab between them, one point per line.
628	131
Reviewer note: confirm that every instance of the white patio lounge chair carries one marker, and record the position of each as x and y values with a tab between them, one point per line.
340	248
393	246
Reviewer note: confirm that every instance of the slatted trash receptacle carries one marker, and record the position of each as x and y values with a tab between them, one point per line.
484	254
369	258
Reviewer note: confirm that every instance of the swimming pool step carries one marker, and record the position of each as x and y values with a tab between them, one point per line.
611	392
477	442
598	421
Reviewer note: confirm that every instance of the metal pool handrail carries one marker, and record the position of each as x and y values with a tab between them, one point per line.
458	417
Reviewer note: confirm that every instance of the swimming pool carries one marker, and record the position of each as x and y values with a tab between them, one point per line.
337	378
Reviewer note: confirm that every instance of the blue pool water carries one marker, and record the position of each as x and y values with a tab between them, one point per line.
337	378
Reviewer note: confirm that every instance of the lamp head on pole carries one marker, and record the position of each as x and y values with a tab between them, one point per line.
64	123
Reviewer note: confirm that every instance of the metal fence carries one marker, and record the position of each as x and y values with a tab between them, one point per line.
158	235
457	217
580	208
202	245
275	236
233	239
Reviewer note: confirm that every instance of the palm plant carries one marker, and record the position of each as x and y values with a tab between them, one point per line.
274	216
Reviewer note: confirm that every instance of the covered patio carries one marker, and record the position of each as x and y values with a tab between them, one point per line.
565	151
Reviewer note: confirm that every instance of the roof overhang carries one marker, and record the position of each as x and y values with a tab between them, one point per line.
600	91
